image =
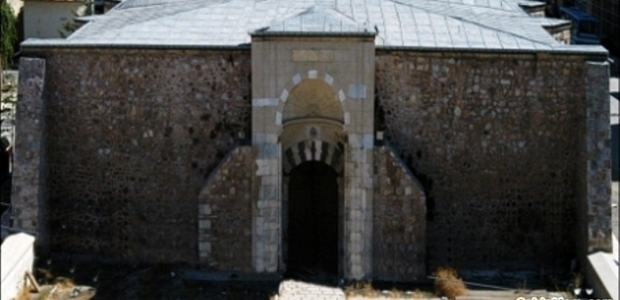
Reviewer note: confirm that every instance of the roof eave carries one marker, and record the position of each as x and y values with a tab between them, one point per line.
63	44
311	34
594	51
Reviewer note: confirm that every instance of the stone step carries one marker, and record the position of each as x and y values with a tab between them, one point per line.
311	297
298	290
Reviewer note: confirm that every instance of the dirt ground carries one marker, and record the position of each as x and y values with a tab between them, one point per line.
140	281
149	282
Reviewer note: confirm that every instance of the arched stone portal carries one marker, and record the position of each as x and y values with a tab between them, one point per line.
313	101
312	167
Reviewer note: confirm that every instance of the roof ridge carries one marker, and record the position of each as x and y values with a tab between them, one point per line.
482	25
501	30
447	2
318	18
130	4
317	8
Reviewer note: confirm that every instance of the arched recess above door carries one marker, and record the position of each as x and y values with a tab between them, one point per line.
312	98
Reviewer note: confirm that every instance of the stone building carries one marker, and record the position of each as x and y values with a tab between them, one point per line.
49	18
374	138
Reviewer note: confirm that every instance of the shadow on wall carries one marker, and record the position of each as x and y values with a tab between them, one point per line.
615	164
5	174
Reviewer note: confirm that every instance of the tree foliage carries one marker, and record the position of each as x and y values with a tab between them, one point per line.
9	33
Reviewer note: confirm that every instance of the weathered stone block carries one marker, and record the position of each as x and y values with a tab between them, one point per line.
397	217
30	162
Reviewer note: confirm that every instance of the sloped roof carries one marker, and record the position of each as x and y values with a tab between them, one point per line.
461	24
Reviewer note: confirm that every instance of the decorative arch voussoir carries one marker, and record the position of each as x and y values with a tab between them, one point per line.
299	77
313	150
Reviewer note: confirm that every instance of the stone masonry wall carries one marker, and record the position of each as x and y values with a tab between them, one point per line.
399	221
595	214
132	137
495	140
28	200
225	214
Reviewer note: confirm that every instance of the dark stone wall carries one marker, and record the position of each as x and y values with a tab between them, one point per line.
225	214
29	190
132	137
399	221
495	140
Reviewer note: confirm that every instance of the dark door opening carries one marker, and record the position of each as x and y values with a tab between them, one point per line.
313	219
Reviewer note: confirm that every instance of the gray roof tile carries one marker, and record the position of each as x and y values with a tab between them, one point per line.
476	24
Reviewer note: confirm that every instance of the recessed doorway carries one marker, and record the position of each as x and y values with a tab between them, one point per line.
313	214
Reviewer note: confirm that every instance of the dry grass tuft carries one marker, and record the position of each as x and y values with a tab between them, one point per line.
417	294
577	280
46	274
366	290
361	288
396	294
65	283
24	294
369	291
349	291
448	284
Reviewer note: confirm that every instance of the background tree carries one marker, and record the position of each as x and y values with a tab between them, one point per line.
8	36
